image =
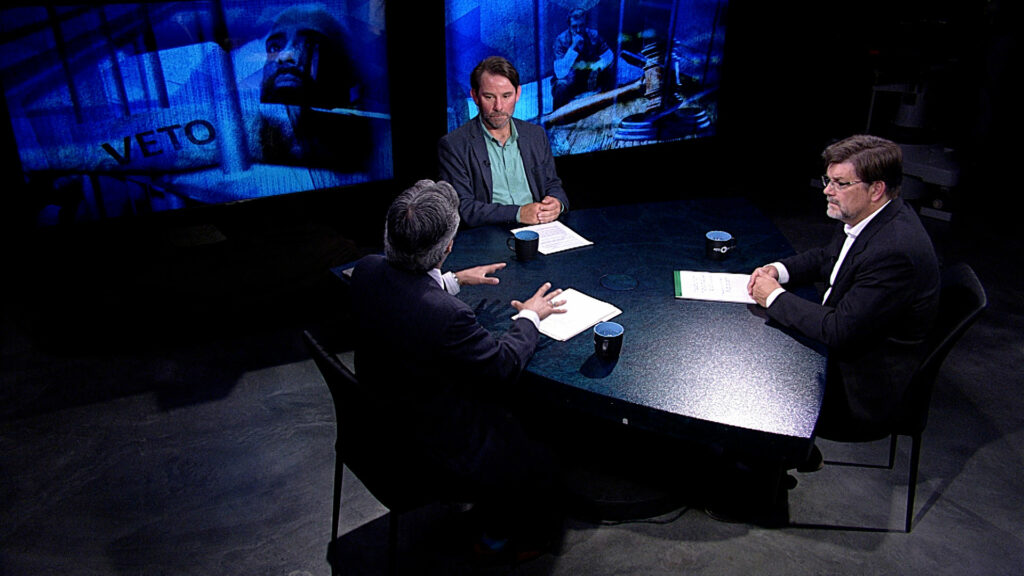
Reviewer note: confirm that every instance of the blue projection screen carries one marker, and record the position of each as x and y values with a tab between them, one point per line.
597	74
141	107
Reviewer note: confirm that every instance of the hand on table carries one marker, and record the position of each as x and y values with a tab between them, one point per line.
763	281
547	210
542	302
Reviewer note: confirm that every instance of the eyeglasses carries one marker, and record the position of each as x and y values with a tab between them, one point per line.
826	181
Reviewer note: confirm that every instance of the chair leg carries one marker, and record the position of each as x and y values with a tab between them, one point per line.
336	514
393	543
892	451
915	459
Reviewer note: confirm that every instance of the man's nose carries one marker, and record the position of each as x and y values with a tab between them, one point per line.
288	54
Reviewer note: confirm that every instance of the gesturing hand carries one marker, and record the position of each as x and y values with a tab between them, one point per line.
479	274
542	302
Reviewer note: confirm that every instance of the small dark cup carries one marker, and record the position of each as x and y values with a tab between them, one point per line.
525	244
718	244
608	339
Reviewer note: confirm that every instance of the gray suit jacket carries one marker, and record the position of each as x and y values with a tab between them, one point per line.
883	302
462	156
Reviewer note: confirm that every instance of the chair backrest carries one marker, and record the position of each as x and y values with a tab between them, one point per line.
359	448
961	300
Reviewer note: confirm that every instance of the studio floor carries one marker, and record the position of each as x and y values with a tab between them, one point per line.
200	439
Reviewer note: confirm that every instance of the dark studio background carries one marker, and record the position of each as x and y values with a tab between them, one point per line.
159	413
794	79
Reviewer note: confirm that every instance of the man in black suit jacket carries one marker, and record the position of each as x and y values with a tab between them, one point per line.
502	168
882	279
446	383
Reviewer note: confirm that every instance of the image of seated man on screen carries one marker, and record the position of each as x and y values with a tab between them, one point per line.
583	61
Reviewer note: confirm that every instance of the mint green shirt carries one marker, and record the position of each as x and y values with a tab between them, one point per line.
507	172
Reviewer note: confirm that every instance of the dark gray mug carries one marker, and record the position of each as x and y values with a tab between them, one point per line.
525	244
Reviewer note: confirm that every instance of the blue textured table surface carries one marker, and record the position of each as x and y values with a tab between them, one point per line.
711	371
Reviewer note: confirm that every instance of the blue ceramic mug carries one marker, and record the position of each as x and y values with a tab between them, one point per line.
608	339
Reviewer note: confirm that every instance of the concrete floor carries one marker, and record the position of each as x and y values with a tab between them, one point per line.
200	441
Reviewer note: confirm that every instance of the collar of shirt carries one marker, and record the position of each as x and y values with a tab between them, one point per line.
851	237
509	184
853	231
436	275
513	133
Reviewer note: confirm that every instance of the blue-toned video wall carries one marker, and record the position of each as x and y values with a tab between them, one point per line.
142	107
597	74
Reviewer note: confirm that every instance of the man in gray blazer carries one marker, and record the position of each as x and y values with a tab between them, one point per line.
882	280
445	386
502	168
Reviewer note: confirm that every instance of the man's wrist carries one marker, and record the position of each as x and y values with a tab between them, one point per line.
451	283
529	315
771	297
782	271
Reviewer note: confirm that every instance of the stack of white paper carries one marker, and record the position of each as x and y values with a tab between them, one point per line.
581	312
715	286
555	237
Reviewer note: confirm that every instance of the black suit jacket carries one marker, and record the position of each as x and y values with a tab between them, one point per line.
441	377
462	156
883	302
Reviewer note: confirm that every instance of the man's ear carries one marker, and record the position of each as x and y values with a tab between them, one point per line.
877	190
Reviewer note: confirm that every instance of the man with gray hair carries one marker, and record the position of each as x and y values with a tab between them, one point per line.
446	383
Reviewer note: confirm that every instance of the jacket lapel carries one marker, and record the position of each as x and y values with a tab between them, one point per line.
481	157
863	240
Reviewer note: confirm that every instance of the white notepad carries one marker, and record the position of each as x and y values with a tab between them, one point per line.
555	237
714	286
581	312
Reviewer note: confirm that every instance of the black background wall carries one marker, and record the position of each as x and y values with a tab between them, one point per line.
795	77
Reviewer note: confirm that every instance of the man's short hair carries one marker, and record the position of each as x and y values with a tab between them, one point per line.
494	65
875	159
421	223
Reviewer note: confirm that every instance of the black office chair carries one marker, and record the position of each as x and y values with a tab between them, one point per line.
386	476
961	300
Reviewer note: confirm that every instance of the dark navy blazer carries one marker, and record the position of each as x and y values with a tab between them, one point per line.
463	160
884	300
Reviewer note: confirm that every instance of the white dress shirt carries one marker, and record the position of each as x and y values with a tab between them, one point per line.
851	235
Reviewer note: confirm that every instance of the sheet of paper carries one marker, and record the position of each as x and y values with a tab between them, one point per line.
555	237
581	312
716	286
